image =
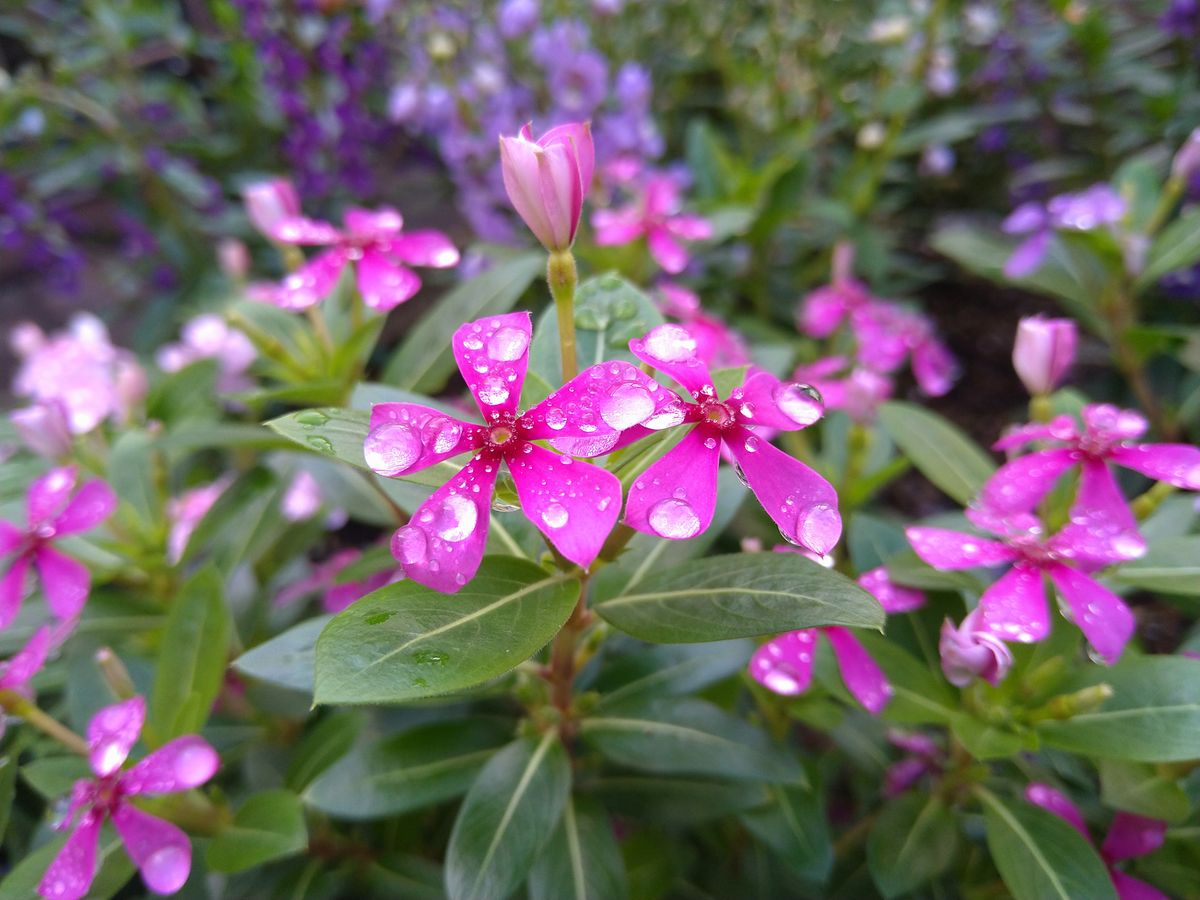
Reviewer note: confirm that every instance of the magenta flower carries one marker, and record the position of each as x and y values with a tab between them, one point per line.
923	757
1129	836
675	498
374	241
1108	435
1085	211
972	651
824	309
185	512
574	504
657	217
161	851
17	672
44	428
1014	607
547	179
717	345
270	202
210	337
336	595
857	391
51	513
1043	352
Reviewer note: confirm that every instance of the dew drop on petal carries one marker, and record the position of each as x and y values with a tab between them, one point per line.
410	545
501	505
674	518
392	448
472	342
741	476
196	764
455	520
818	527
668	417
507	344
670	343
626	405
556	418
801	403
781	680
751	445
555	515
443	433
493	391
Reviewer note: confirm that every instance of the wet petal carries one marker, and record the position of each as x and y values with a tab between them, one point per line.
407	437
1056	802
366	225
767	401
1131	836
112	732
65	582
1014	606
784	664
892	597
1020	484
310	284
666	250
383	282
862	675
1102	528
302	230
48	495
1109	424
672	349
177	765
442	544
94	503
71	873
945	549
1028	255
575	504
27	662
1130	888
425	248
604	399
1061	428
1177	464
802	503
1101	615
161	851
12	589
493	354
676	496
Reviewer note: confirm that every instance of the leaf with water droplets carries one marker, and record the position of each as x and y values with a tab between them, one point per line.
432	643
742	595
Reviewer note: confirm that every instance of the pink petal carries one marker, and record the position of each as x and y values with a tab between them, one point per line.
1020	484
1131	836
934	367
370	225
27	662
1101	615
823	311
578	137
311	283
443	543
425	248
561	193
1061	428
666	250
802	503
519	170
661	198
604	399
1130	888
177	765
575	504
892	597
784	664
672	350
48	495
65	582
945	549
615	227
161	851
1177	464
1028	256
406	438
1056	802
112	732
71	873
676	496
862	675
11	537
301	230
94	503
383	283
1014	606
1102	527
12	589
1110	424
765	400
493	354
690	228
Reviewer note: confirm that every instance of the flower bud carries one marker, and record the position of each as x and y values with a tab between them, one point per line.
268	202
547	180
1044	350
233	258
1187	161
970	652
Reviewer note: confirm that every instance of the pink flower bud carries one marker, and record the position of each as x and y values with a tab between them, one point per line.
547	180
1044	350
233	258
268	202
1187	160
970	652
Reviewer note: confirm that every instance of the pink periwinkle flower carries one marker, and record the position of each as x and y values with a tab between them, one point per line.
271	202
1108	435
19	669
1129	836
574	504
80	369
548	178
185	512
675	497
52	512
304	499
210	337
824	309
1014	606
971	651
717	345
374	241
657	217
336	594
1043	352
44	428
856	390
1087	210
161	851
923	757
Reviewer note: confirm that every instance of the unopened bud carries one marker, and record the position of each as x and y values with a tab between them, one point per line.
1067	706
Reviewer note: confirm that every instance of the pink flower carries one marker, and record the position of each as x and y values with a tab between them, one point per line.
44	428
924	757
717	345
1108	435
270	202
51	513
657	217
858	391
302	500
824	309
210	337
374	241
892	597
676	496
161	851
18	671
971	651
547	179
1129	836
185	512
1043	351
336	595
574	504
1014	606
233	258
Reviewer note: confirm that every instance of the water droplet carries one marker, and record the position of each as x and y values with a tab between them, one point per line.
501	505
556	418
626	405
493	391
410	545
819	527
741	476
674	518
781	680
555	515
670	343
196	764
311	418
751	444
455	519
624	308
377	618
507	344
392	448
668	417
472	342
166	869
431	657
442	433
321	445
710	443
801	403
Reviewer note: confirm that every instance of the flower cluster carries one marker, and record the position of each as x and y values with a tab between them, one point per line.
655	214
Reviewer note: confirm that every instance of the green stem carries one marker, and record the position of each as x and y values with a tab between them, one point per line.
562	277
17	705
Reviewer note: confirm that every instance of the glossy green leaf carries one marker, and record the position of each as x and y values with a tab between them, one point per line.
582	860
242	523
794	825
509	814
669	670
676	802
1169	566
406	641
288	659
268	826
938	448
919	695
741	595
131	474
984	740
322	746
1142	789
912	842
1176	247
53	776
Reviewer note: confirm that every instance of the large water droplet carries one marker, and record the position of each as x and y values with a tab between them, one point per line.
410	545
556	418
472	342
670	343
311	418
668	417
555	515
321	445
507	344
818	527
493	391
782	680
442	433
392	448
626	405
801	403
741	475
455	519
674	518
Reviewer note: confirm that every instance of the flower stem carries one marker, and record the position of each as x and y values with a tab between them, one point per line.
17	705
562	277
561	673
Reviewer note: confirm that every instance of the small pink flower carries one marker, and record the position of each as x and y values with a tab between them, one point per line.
892	597
1043	352
374	241
924	757
233	259
336	594
657	217
717	345
210	337
547	179
574	504
185	512
675	498
971	651
161	851
857	391
18	671
51	513
1129	836
270	202
302	500
44	428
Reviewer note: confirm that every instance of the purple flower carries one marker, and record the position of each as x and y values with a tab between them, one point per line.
656	216
1085	211
970	652
18	671
516	17
52	513
185	512
161	851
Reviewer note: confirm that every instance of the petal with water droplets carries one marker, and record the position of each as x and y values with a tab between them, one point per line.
424	248
301	230
492	355
65	582
1177	464
772	403
676	496
308	285
406	437
1102	528
70	874
945	549
161	851
672	350
178	765
112	732
1020	484
604	399
383	283
1132	835
862	675
1061	428
47	497
1014	606
1101	615
94	503
784	664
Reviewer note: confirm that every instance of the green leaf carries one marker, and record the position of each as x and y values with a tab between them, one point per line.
53	776
508	815
676	802
1041	857
582	860
939	449
1170	566
406	641
240	523
322	746
669	670
1139	788
912	842
688	737
191	660
268	826
113	868
420	767
8	786
741	595
1153	715
919	695
131	473
1177	247
288	659
425	362
795	827
986	741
